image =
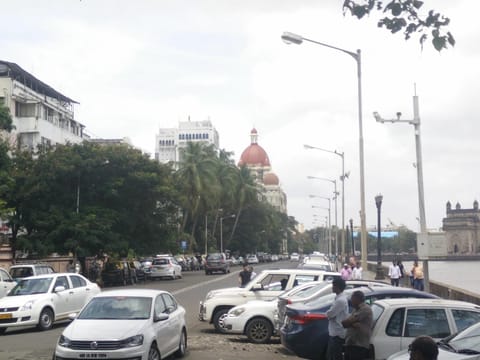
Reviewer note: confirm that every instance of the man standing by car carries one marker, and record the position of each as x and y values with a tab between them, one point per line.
336	314
244	276
359	328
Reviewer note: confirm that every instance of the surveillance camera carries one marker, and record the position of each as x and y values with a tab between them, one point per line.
399	114
377	116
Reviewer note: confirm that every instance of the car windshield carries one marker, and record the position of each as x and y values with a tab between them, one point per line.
21	272
163	261
214	257
466	341
117	308
31	286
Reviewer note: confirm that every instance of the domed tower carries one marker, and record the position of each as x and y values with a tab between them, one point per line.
255	158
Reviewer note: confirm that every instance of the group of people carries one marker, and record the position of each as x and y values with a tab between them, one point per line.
415	278
246	275
349	334
352	272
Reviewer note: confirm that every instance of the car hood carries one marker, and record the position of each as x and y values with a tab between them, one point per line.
260	304
442	354
19	300
229	291
102	329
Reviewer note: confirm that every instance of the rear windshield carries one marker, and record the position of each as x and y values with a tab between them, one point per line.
21	272
160	262
214	256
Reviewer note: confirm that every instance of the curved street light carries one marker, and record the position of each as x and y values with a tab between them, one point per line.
291	38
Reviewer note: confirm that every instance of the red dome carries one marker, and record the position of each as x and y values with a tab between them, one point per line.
254	131
254	155
270	179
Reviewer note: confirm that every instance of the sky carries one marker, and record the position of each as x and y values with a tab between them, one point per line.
137	66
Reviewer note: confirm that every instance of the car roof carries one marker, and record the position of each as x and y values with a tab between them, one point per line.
300	271
49	275
391	290
29	265
422	302
132	292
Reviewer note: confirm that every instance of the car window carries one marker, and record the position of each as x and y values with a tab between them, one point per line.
214	257
77	281
21	272
4	275
62	281
431	322
302	279
274	282
395	323
117	307
170	303
31	286
377	310
465	318
160	306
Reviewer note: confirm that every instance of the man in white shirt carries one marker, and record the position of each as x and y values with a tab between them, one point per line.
336	314
357	272
394	274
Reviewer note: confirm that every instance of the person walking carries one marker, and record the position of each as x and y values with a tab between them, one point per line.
357	272
359	329
244	276
346	272
394	274
336	314
423	348
418	280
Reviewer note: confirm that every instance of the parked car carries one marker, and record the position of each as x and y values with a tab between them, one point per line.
252	259
18	272
398	322
315	291
216	262
6	282
44	299
294	257
165	267
305	330
118	272
464	345
256	319
126	324
265	286
137	268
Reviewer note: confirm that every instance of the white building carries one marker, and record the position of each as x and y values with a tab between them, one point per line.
170	140
41	115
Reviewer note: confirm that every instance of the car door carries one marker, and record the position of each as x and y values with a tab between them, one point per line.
6	283
63	300
163	328
175	320
272	285
79	292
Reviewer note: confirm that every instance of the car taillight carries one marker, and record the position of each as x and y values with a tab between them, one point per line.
305	319
289	302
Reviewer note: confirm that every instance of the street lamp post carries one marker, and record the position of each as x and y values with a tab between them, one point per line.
291	38
419	165
379	275
351	235
221	230
342	179
334	182
329	226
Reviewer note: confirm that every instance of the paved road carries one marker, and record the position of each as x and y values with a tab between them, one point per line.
204	343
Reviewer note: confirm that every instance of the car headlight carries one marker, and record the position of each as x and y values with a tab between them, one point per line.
132	341
64	341
28	305
209	295
237	312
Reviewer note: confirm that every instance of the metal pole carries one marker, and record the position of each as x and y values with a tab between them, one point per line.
206	235
363	221
378	202
351	234
221	235
336	224
343	204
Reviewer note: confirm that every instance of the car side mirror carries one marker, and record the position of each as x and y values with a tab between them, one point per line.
256	287
160	317
59	289
72	316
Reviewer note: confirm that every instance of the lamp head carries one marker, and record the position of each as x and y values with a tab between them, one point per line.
291	38
378	200
377	117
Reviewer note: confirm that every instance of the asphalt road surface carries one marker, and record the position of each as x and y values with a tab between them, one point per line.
203	342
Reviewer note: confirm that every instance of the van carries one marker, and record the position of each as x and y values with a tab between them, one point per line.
18	272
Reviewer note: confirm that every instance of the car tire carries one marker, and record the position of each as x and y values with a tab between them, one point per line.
182	346
218	319
45	321
259	330
153	353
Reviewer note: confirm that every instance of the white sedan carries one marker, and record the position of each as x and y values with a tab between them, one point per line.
165	267
126	324
43	299
6	282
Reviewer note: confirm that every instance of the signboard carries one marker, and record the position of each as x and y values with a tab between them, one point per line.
183	243
431	246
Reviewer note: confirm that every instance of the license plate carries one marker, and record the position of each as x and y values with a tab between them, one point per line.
92	356
6	316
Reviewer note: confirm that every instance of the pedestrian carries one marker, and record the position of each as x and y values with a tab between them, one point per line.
423	348
418	280
252	273
359	329
402	273
394	274
346	272
357	272
244	276
336	314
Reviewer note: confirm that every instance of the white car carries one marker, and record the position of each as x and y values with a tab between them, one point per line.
43	299
294	257
252	259
6	282
399	321
126	324
463	346
256	319
165	267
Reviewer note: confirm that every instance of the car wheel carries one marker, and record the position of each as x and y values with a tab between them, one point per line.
259	330
46	319
173	277
182	346
218	320
153	353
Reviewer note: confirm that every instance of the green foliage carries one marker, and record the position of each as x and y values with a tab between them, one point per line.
404	15
6	122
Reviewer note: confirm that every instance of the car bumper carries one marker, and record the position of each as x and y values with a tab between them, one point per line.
18	318
235	324
302	345
137	353
202	314
161	273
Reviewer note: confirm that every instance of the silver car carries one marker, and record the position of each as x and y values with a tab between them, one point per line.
165	267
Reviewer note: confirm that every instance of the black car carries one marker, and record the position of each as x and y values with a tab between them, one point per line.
139	271
118	272
216	262
305	331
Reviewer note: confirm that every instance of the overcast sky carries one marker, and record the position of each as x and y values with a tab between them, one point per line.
138	65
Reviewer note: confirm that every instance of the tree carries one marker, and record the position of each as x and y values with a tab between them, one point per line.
6	122
404	15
